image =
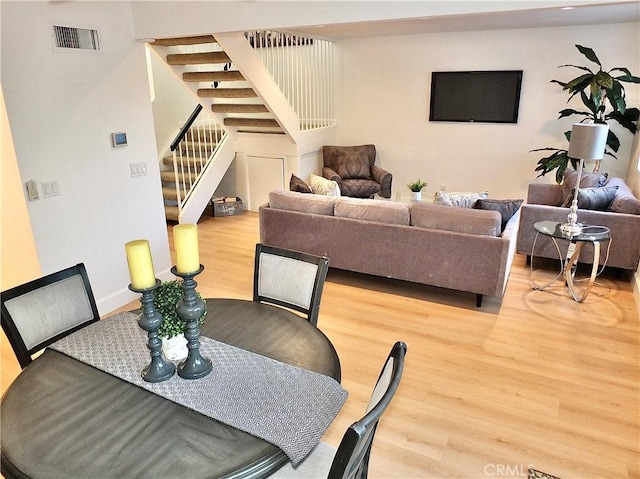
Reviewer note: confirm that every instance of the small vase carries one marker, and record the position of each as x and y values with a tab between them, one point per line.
416	196
175	348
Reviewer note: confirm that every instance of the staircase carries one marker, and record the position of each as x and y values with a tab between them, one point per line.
216	83
190	156
259	107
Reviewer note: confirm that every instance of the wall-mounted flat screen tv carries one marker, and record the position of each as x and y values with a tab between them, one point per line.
475	96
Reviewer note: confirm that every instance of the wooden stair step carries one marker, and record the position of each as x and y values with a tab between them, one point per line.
263	132
230	75
168	176
192	160
195	146
252	122
169	193
197	58
171	212
238	108
173	42
226	93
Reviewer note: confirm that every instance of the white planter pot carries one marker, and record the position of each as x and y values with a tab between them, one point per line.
175	348
416	196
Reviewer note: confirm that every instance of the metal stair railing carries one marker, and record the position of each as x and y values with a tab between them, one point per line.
303	68
193	150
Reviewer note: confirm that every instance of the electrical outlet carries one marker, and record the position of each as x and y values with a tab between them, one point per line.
138	169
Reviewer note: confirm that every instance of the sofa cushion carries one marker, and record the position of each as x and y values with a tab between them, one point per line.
506	208
296	184
624	201
322	186
460	220
380	211
596	198
587	180
306	203
459	199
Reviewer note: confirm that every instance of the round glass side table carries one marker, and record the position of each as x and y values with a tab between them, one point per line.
592	234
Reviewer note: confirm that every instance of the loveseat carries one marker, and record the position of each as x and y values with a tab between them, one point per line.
544	202
457	248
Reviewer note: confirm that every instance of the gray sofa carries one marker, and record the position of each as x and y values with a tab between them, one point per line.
457	248
543	203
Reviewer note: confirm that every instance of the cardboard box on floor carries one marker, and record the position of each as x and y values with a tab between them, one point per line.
227	206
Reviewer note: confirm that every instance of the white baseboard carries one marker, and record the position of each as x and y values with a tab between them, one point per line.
125	295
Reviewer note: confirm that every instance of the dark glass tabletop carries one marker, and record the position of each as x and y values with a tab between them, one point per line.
64	419
589	232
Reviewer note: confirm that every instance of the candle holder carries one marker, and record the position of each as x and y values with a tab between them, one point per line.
190	308
150	320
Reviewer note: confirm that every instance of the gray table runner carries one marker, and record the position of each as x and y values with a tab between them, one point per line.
287	406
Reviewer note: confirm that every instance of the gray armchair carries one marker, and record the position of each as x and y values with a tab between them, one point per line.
353	169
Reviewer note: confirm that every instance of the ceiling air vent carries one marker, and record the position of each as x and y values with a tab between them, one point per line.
75	38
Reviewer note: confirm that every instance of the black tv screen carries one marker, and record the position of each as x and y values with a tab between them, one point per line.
475	96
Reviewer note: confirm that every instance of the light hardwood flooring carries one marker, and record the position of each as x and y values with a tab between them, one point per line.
533	378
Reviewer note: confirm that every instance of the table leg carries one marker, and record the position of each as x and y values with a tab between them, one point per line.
560	273
570	269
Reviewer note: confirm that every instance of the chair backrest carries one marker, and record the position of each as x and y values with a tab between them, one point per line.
349	161
289	278
40	312
352	457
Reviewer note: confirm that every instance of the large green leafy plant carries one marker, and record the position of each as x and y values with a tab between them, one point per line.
603	95
165	301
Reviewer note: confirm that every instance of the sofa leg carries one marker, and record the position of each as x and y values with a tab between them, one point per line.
478	300
528	260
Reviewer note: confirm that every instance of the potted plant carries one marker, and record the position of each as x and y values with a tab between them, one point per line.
416	189
603	95
174	344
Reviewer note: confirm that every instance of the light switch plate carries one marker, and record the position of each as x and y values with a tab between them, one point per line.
50	188
138	169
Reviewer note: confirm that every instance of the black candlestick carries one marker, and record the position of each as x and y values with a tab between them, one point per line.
150	320
190	308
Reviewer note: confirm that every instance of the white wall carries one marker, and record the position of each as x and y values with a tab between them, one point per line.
62	109
172	104
384	90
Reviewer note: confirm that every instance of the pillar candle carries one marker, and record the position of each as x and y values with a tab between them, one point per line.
140	264
185	239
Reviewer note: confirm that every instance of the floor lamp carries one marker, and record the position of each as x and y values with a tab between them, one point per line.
588	141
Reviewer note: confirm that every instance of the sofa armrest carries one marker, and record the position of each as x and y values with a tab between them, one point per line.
384	178
625	247
330	174
545	194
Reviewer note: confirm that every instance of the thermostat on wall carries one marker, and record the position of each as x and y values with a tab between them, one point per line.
118	139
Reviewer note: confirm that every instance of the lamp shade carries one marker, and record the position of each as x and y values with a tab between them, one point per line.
588	141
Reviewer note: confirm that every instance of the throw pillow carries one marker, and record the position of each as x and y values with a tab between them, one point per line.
506	208
352	164
587	180
322	186
459	199
296	184
596	198
624	201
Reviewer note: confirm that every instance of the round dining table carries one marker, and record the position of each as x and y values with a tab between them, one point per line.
62	418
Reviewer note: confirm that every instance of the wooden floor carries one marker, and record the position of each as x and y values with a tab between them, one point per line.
530	379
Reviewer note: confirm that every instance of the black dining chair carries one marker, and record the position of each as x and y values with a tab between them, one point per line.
351	459
290	279
38	313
